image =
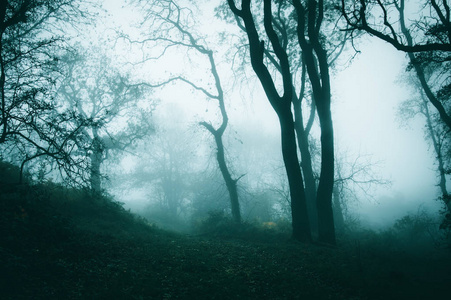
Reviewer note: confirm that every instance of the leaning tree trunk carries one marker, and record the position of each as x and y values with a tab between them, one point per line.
230	182
217	133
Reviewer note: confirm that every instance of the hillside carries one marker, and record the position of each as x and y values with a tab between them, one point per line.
57	243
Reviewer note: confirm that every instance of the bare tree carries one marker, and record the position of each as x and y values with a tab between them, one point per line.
281	105
174	31
310	18
31	43
355	177
436	133
108	105
168	173
285	24
314	61
426	40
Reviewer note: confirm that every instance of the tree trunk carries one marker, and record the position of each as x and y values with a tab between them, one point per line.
96	161
280	104
299	213
230	182
307	169
439	155
4	122
444	116
326	227
315	58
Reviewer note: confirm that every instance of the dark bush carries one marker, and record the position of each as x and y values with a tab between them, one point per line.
220	225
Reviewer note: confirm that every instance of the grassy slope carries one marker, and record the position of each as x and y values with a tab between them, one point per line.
56	243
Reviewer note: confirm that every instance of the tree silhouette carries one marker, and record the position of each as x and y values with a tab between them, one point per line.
107	103
426	40
32	126
281	105
173	20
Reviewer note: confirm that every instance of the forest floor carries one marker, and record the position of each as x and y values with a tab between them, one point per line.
85	249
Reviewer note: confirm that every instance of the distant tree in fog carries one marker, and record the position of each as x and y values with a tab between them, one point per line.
437	134
170	26
355	177
107	102
165	171
170	173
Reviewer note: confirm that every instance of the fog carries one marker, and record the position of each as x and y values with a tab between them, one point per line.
254	149
366	93
369	93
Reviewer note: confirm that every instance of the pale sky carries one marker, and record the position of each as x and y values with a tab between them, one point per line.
367	95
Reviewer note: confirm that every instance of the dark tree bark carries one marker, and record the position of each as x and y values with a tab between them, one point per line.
302	134
438	148
281	105
315	58
299	211
231	183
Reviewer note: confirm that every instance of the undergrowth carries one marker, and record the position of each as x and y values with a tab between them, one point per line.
57	242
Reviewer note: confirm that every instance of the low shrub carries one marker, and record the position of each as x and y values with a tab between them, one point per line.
220	225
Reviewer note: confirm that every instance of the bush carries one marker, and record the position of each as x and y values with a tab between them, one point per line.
219	225
216	224
414	233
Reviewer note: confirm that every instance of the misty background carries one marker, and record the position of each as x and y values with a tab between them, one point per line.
367	92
